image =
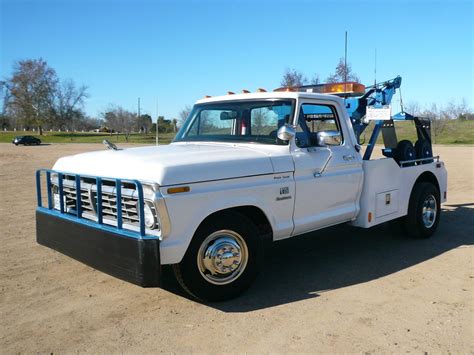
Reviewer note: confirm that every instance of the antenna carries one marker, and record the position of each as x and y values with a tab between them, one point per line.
375	68
345	64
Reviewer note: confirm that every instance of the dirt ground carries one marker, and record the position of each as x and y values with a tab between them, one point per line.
338	290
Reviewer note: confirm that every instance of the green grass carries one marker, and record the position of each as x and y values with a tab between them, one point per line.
455	132
65	137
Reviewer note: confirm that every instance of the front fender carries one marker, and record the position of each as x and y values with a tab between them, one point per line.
187	210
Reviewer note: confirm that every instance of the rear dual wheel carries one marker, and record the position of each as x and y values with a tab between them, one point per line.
423	211
223	258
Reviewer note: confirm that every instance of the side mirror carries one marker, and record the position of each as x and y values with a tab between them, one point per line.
286	132
325	138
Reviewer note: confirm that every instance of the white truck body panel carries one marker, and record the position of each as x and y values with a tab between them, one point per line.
387	188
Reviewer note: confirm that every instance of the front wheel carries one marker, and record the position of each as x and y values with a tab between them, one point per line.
423	211
222	260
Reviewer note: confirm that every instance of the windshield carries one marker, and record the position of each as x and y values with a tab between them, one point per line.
243	121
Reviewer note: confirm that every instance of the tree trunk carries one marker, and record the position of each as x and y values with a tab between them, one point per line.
40	130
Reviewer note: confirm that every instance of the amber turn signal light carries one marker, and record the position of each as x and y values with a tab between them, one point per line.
177	190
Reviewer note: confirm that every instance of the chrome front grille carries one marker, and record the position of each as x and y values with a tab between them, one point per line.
129	200
141	211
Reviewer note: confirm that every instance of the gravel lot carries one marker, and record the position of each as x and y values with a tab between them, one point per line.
338	290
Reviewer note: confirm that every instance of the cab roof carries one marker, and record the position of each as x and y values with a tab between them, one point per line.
269	95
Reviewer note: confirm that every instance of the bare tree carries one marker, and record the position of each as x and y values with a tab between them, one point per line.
183	115
120	120
37	98
315	80
32	88
293	78
438	121
68	102
342	73
413	108
454	110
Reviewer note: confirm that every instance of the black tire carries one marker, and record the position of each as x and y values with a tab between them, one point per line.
196	282
405	151
414	223
423	150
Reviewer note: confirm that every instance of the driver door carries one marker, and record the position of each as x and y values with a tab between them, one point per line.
328	178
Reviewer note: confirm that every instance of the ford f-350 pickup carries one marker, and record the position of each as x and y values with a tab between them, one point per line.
242	168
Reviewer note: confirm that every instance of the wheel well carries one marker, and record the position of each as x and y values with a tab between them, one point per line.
428	176
255	214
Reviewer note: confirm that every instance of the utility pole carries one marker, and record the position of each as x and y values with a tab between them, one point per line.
157	121
2	97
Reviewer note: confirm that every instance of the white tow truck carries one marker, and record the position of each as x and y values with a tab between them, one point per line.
242	168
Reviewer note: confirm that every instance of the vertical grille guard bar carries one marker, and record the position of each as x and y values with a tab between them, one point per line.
78	197
38	188
61	192
141	207
118	187
118	184
98	181
48	188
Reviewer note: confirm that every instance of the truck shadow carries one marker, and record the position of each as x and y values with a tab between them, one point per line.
306	266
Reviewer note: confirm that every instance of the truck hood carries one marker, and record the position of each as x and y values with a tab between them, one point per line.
171	164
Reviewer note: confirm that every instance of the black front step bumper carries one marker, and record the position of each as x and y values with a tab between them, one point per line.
131	259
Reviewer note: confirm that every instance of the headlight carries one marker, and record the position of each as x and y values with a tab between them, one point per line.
155	214
151	218
56	204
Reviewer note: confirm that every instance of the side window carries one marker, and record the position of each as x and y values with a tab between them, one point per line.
314	118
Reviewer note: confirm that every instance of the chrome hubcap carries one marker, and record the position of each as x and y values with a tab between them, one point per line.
222	257
429	211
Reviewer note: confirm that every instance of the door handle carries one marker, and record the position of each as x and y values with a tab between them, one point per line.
348	157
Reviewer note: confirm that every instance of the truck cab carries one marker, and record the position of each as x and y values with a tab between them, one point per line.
243	168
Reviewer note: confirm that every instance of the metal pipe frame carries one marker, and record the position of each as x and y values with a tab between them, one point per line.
404	162
78	216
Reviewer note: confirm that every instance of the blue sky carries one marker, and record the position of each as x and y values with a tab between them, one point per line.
175	52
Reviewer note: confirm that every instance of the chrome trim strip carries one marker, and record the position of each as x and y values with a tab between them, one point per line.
231	178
